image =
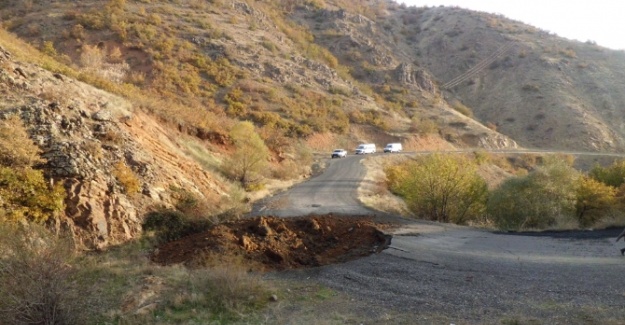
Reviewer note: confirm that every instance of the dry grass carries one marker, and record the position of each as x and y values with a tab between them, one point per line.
322	142
426	142
131	290
193	115
40	282
373	191
127	178
28	53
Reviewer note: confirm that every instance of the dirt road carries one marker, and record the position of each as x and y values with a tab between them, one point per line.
435	273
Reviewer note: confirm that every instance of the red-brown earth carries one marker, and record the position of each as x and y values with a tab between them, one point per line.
281	243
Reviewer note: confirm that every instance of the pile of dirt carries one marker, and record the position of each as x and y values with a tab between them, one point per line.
281	243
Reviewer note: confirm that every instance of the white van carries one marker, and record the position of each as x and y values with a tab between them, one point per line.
365	148
393	147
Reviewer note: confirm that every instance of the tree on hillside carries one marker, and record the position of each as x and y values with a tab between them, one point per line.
251	155
440	187
536	200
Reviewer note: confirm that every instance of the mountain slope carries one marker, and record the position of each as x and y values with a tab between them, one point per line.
174	77
102	153
244	60
543	91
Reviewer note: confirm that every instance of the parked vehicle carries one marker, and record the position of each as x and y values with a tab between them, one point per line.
339	153
365	148
393	147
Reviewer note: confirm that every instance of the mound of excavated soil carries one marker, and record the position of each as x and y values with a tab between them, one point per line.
281	243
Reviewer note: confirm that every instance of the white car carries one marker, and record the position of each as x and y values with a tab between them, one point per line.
339	153
365	148
393	147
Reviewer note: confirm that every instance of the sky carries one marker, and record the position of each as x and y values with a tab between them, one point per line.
601	21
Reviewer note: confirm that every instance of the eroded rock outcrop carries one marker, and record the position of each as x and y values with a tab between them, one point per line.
496	141
85	134
408	75
100	216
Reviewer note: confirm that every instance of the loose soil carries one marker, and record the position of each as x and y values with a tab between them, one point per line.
282	243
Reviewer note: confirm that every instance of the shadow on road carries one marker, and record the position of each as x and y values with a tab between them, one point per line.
611	232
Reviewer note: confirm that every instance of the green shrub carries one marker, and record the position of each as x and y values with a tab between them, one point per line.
481	157
25	195
254	186
268	119
613	175
424	127
568	52
92	20
193	207
77	32
225	292
531	87
48	48
168	225
237	102
338	90
155	19
461	108
537	200
269	45
443	188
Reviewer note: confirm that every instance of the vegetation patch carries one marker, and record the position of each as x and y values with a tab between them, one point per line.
546	193
443	188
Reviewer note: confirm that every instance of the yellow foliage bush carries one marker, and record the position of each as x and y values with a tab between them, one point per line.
443	188
251	156
26	196
127	178
16	148
593	200
48	48
24	193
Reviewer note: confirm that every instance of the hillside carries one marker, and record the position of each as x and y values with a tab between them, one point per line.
103	152
244	61
540	89
132	102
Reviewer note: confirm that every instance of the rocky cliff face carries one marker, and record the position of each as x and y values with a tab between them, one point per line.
85	134
407	74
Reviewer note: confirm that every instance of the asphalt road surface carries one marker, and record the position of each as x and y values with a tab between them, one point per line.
452	274
334	191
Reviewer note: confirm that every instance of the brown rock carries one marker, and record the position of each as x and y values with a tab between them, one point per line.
100	218
247	243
